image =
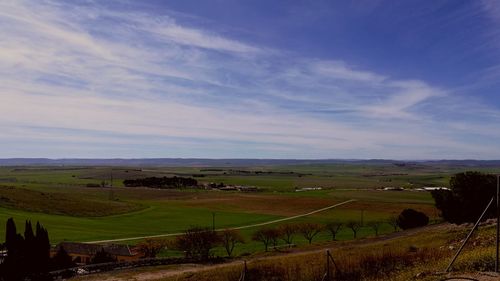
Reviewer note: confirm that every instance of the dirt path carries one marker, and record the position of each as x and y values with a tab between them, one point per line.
157	274
239	227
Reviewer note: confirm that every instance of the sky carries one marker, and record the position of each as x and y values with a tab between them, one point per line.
407	80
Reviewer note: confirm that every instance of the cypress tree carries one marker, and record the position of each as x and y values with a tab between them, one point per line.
11	237
62	260
27	257
13	265
28	247
42	248
28	232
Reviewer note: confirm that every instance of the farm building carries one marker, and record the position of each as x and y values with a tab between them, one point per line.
244	188
391	188
308	189
431	188
83	252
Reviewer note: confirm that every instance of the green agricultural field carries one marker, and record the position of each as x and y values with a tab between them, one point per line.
171	217
59	198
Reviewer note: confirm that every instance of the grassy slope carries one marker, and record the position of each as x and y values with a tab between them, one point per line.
416	255
157	219
62	203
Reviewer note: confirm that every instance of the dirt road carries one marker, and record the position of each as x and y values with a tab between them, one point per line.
239	227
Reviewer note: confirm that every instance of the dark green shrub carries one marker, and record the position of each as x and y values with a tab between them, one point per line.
62	260
470	193
102	257
410	218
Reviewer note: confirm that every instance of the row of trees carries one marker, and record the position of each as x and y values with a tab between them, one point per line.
198	242
287	232
28	255
164	182
409	218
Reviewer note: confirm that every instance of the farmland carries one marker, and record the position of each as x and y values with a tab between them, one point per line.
59	197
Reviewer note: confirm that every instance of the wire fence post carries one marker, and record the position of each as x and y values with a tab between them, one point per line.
328	277
328	274
243	272
468	236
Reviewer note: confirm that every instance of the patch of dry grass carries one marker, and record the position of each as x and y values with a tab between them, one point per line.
62	203
263	203
421	255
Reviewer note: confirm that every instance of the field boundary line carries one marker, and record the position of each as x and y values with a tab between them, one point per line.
295	217
235	228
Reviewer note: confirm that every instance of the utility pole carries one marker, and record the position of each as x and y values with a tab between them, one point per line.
362	217
213	221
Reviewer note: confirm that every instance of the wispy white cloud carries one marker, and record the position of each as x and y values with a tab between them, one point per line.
489	12
196	38
400	104
337	86
340	70
77	76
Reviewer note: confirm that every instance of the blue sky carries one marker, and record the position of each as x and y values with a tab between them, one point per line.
250	79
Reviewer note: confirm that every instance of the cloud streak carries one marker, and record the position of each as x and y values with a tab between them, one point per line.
82	81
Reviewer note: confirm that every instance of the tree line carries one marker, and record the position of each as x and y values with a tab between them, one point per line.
162	182
270	236
28	255
198	242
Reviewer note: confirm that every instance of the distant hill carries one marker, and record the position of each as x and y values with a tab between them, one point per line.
200	162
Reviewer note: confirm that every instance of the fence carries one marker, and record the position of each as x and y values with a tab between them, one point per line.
328	276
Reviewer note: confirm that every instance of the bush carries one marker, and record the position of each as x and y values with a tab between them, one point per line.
410	218
102	257
150	248
62	260
165	182
470	193
197	242
478	260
